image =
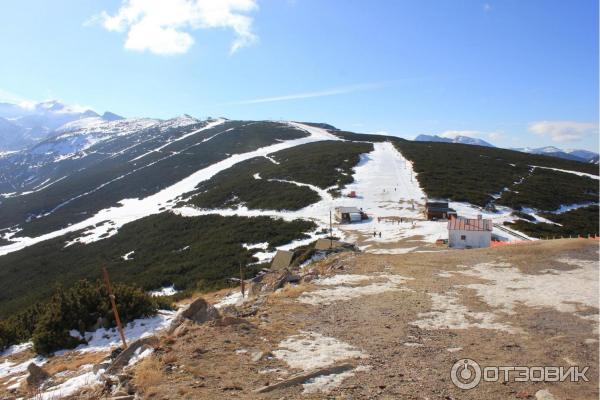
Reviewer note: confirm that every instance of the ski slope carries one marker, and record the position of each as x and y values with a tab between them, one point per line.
106	222
387	189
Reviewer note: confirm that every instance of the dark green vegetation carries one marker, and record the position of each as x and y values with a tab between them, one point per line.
84	192
474	173
197	253
582	221
79	308
546	189
323	164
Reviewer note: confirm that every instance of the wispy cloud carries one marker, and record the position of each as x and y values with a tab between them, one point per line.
308	95
162	27
563	131
487	7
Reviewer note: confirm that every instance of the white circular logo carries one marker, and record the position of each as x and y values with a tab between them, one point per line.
465	374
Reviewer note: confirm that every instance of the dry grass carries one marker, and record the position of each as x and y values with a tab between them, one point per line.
148	375
292	290
73	361
169	358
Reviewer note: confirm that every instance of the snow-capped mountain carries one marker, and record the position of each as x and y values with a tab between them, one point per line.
458	139
568	154
23	125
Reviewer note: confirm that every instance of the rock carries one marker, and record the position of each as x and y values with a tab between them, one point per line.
181	329
123	359
101	366
36	375
198	311
256	356
255	288
544	395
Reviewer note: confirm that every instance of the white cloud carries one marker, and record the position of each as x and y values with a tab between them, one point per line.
308	95
563	131
495	135
162	26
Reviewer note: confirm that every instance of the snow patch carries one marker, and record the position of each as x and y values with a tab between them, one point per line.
344	293
164	291
448	313
562	290
596	177
106	339
311	350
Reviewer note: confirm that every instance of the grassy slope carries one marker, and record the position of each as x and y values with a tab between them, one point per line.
215	249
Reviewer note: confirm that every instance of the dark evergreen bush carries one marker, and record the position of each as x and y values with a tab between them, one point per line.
83	307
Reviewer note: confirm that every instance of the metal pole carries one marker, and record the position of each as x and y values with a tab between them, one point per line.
114	306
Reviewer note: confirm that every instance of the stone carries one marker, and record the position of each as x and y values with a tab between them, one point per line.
101	366
543	395
181	329
198	311
123	358
256	356
36	375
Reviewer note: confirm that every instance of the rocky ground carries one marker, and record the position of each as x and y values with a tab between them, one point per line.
389	327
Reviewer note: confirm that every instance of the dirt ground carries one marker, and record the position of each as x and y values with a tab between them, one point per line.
403	320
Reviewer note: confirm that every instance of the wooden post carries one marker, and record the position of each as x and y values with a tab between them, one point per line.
330	231
114	306
242	280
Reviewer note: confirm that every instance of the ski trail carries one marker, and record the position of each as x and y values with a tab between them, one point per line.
106	222
210	125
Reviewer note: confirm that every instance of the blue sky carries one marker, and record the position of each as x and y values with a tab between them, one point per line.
515	73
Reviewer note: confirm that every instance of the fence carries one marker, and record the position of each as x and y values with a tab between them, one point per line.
498	243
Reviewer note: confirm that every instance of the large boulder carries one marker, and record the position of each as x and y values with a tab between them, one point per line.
198	311
36	375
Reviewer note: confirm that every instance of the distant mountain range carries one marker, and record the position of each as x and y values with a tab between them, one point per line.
22	126
456	139
569	154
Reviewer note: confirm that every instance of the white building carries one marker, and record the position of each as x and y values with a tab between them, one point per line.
349	214
465	233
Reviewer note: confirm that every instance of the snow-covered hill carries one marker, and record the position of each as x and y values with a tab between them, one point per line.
23	125
457	139
568	154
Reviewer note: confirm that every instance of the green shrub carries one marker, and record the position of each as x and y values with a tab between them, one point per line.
582	221
79	308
